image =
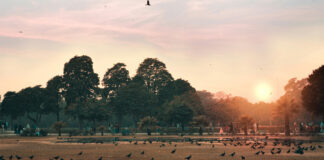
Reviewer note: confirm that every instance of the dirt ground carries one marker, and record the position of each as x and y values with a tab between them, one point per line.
45	148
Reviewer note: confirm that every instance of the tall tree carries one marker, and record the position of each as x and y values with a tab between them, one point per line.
32	100
96	111
54	94
134	100
246	122
114	78
313	93
290	102
81	84
222	110
177	112
155	74
10	106
174	88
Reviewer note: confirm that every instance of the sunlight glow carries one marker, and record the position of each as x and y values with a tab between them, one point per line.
263	92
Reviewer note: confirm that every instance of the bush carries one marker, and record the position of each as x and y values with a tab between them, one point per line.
28	132
43	133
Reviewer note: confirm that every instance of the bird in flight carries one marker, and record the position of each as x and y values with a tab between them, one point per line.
148	3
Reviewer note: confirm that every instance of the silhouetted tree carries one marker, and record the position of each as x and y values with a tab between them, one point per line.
10	106
58	127
81	84
174	88
313	93
223	110
95	111
154	74
178	112
147	122
290	102
32	100
54	95
134	100
114	78
246	122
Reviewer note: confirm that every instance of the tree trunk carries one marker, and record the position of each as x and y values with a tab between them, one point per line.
245	131
60	132
57	116
80	123
11	123
287	127
94	126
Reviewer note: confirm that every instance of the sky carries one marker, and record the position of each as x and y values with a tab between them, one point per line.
234	46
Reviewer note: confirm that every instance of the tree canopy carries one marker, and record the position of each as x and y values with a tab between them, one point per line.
313	93
154	73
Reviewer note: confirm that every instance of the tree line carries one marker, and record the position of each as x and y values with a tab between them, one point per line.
152	93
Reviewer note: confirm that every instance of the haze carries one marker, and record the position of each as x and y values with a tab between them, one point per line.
217	45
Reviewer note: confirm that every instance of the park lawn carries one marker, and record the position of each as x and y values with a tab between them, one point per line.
44	148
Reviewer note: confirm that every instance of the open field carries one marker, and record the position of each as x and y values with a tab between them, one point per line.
44	148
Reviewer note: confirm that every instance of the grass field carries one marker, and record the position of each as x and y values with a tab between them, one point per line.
44	148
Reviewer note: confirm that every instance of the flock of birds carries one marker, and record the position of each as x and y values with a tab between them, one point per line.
257	146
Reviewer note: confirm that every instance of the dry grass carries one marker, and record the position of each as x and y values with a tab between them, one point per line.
45	148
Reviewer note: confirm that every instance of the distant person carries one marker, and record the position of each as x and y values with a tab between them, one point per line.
6	125
322	127
221	131
148	131
200	131
231	128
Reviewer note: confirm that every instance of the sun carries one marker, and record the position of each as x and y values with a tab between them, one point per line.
263	91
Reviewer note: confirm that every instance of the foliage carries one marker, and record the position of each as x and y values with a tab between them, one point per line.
134	99
32	100
95	111
313	93
80	84
54	95
201	120
291	101
221	110
58	126
246	122
154	74
101	128
114	78
9	105
147	122
179	112
174	88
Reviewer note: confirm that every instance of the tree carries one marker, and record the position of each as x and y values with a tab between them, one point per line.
246	122
201	121
134	100
313	93
147	122
10	106
54	95
154	74
58	126
179	112
81	84
95	111
174	88
102	128
220	110
114	78
32	100
290	102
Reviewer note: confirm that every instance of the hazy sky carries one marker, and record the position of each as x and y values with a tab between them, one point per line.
217	45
